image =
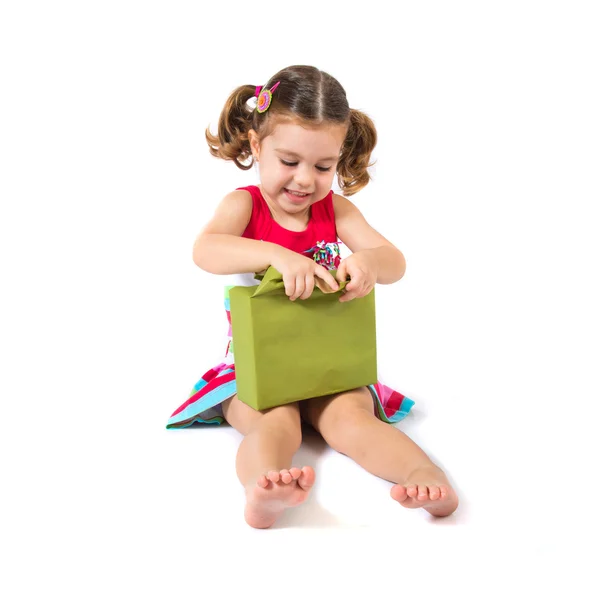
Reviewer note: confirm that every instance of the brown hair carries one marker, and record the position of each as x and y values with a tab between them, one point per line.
307	95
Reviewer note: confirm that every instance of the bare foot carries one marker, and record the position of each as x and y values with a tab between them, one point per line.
274	492
427	488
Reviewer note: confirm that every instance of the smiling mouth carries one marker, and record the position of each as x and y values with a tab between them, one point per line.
297	194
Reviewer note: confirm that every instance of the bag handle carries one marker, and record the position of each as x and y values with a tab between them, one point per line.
271	282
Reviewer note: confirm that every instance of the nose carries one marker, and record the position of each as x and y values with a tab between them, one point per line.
303	177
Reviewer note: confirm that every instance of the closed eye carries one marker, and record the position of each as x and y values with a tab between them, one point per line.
293	164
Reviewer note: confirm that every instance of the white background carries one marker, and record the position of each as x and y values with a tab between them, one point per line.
486	178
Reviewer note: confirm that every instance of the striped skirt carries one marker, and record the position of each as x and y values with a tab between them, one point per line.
218	384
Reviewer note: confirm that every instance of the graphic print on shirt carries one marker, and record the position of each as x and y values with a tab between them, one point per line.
326	254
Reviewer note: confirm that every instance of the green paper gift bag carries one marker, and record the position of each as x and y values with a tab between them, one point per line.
287	351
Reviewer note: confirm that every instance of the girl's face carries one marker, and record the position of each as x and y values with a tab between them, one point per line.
297	159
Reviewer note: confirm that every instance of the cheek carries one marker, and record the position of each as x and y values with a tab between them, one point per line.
271	172
284	173
327	178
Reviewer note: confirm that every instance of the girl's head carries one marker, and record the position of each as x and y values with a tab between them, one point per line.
306	136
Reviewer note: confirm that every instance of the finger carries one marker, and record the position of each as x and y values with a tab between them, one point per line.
309	286
358	279
299	287
327	277
354	284
290	285
323	286
342	272
362	291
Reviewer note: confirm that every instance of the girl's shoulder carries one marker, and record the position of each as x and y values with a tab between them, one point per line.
238	201
232	214
243	195
252	197
342	206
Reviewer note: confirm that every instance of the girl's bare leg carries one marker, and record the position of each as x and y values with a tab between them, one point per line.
264	459
348	424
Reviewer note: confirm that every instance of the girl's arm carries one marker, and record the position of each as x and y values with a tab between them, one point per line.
360	237
220	249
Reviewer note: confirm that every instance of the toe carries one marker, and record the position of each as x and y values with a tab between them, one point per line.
434	492
423	493
398	493
295	472
443	492
273	476
411	491
285	476
262	482
307	478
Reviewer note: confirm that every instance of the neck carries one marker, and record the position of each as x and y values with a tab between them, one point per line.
301	217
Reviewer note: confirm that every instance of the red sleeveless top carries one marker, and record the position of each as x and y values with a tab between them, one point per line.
318	239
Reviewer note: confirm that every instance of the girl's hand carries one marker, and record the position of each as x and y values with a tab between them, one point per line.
362	269
299	273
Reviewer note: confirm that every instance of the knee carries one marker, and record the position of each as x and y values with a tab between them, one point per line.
284	421
344	430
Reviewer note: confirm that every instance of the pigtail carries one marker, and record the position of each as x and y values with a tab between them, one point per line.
356	153
231	141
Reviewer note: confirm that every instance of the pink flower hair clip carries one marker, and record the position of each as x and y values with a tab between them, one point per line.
264	97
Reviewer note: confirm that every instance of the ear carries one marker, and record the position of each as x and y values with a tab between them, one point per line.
254	143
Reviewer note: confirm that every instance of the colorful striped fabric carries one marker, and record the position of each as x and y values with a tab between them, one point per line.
219	384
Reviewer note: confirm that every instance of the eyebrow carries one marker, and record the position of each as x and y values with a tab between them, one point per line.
284	151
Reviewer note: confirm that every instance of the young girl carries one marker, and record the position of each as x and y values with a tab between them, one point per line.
301	132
